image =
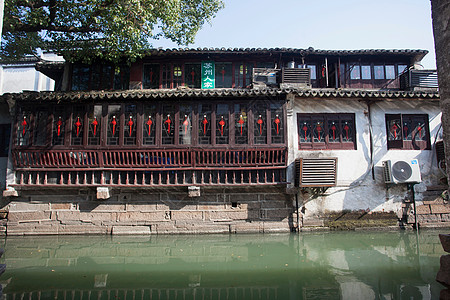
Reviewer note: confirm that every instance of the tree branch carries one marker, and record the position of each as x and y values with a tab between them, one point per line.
68	29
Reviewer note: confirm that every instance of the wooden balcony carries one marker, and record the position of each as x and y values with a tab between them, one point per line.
150	167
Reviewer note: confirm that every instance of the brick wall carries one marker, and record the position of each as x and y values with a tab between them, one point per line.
159	211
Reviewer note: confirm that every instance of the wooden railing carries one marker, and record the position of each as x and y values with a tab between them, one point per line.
150	167
145	159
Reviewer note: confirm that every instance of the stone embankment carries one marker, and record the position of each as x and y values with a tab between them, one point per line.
435	210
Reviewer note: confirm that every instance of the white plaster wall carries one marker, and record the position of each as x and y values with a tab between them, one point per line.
356	189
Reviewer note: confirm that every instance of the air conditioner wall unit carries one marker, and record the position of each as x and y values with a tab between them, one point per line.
401	171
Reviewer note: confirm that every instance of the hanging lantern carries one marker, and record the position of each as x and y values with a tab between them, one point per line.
94	124
305	130
59	123
168	121
24	125
78	125
260	123
333	130
277	122
241	122
347	129
149	124
393	129
222	124
204	122
114	123
419	129
319	130
130	124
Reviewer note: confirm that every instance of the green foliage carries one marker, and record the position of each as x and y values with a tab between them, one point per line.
109	29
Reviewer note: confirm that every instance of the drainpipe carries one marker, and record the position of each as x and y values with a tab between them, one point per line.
369	115
413	198
326	70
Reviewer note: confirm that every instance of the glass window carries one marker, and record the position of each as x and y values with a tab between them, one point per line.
168	125
260	124
241	124
77	125
379	72
121	78
24	128
80	77
95	122
223	75
114	112
276	115
407	131
313	71
151	76
59	124
366	73
177	75
204	126
326	131
402	68
166	76
129	128
222	124
192	75
390	72
355	72
149	124
185	126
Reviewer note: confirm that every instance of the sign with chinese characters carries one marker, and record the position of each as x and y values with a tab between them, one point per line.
208	72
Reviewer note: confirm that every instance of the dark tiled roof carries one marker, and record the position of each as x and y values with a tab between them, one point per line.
162	51
218	93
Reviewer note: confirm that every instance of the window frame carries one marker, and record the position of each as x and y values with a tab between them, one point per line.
402	143
326	144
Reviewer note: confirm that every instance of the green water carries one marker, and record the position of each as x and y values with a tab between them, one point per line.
335	265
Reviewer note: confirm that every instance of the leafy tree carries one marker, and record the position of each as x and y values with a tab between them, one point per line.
110	29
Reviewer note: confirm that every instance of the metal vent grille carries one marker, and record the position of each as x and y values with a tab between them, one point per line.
296	76
316	172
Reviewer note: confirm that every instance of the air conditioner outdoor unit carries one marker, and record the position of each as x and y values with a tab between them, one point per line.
401	171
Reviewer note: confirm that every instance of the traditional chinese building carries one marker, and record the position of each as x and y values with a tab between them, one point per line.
219	140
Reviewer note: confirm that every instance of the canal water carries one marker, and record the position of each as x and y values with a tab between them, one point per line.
330	265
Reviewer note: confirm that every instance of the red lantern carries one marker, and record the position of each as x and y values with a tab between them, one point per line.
260	123
305	129
130	124
204	122
419	129
168	121
277	122
222	124
319	130
241	123
347	129
394	129
24	125
59	123
95	123
149	124
78	125
114	123
333	129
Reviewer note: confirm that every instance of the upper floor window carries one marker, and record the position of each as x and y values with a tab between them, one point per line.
408	131
326	131
99	77
5	134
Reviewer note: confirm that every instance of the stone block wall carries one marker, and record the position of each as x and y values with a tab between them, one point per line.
157	211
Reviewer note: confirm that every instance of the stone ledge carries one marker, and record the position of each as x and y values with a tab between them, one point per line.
130	230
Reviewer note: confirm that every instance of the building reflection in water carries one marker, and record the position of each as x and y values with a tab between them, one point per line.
339	265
